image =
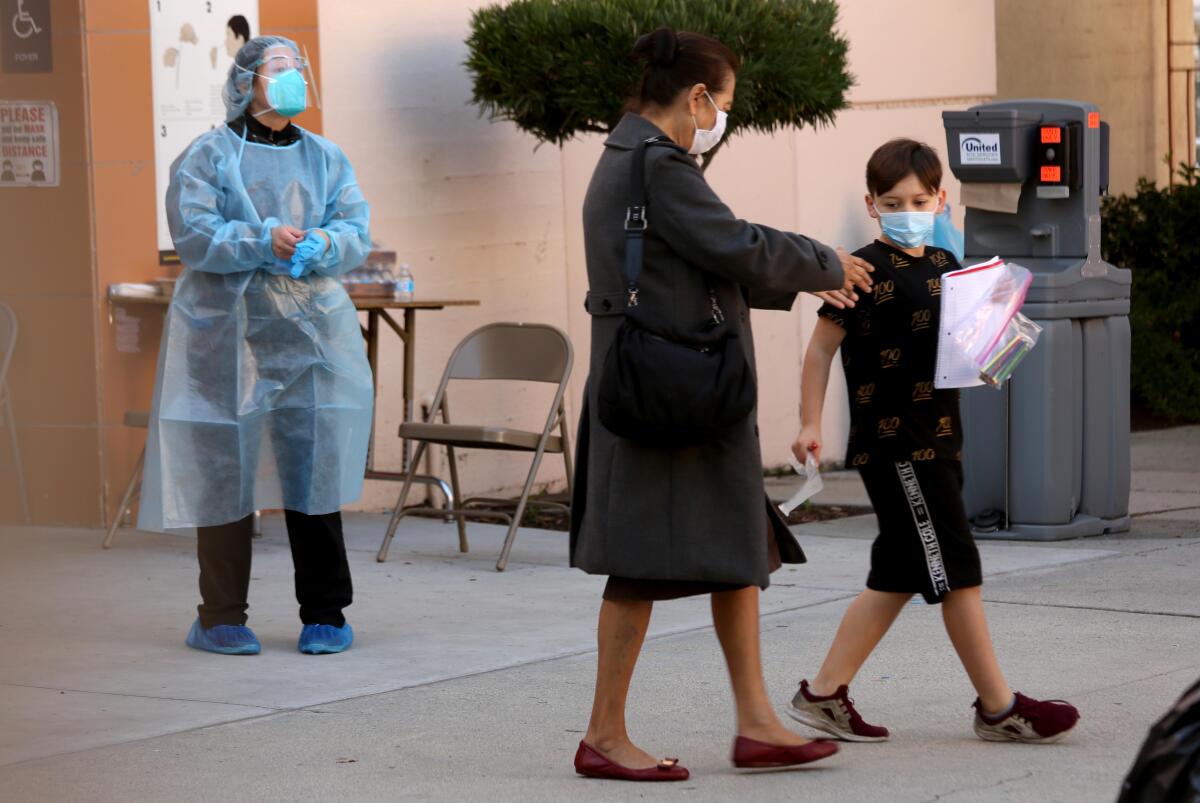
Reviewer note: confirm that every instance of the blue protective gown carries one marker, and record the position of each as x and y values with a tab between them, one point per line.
264	394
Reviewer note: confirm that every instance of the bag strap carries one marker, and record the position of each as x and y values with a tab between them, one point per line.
635	215
636	222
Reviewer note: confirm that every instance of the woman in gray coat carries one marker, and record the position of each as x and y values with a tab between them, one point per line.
665	523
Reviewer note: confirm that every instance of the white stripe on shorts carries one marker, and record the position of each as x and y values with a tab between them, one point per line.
925	529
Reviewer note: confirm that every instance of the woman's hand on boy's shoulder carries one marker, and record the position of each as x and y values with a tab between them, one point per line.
841	299
857	272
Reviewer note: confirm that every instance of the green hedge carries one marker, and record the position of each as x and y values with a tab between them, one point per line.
1156	233
558	68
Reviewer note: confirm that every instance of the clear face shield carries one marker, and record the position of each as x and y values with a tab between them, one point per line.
272	66
287	87
288	71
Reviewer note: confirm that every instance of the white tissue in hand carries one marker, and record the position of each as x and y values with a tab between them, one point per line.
812	483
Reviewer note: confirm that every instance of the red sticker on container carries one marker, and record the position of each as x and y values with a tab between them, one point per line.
1093	119
1051	135
1051	173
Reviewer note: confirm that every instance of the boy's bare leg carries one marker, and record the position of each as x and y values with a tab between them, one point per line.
966	624
620	634
735	616
863	626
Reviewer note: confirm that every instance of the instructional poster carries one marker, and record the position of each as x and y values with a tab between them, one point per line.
28	143
192	45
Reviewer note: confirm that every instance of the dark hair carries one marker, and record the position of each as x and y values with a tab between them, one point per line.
240	27
894	160
673	62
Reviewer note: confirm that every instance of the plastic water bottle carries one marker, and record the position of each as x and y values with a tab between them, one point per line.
404	284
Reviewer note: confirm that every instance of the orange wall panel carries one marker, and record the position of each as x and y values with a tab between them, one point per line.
64	475
121	124
122	120
46	275
117	15
297	20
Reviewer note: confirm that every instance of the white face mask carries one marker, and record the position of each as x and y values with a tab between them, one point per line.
707	138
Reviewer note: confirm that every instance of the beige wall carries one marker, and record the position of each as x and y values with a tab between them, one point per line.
1113	53
480	211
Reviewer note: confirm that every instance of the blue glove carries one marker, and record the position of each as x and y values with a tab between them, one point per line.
308	251
946	235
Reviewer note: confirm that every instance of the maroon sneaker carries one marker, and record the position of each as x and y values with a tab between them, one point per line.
1030	721
834	715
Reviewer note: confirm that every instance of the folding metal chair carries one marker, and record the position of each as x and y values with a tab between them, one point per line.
8	345
141	420
498	351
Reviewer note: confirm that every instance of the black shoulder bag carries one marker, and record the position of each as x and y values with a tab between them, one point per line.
669	389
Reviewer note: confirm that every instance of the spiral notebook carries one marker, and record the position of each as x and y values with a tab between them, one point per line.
961	290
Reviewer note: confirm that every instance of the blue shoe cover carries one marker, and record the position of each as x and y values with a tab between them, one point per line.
325	639
224	639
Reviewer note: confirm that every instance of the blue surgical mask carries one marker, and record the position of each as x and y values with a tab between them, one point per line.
907	229
288	93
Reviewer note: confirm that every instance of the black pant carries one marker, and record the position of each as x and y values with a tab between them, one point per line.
323	585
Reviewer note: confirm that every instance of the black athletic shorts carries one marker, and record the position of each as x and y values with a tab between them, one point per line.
924	544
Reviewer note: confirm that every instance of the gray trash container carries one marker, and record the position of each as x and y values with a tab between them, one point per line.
1047	456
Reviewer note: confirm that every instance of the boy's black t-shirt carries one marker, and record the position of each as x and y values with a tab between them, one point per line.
890	355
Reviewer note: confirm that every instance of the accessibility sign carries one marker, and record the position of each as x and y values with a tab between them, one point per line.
25	36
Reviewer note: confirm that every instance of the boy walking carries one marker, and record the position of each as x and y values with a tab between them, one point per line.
906	442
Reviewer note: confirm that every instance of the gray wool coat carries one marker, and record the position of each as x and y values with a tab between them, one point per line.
698	513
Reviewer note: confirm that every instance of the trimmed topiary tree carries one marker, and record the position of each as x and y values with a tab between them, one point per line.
558	68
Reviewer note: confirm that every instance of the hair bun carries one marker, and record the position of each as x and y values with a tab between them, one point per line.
659	48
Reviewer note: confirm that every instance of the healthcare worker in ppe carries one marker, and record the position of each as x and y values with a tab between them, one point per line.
264	395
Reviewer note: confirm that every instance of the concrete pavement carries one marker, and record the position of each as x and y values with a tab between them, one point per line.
468	684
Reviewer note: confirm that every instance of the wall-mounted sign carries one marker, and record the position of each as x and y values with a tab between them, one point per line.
28	143
192	45
25	36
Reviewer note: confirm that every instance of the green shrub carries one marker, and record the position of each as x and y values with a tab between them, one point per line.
1156	234
558	68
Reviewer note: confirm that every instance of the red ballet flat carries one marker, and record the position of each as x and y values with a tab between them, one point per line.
749	754
590	762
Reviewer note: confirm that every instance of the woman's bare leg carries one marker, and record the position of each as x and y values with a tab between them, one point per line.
620	634
735	616
864	624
